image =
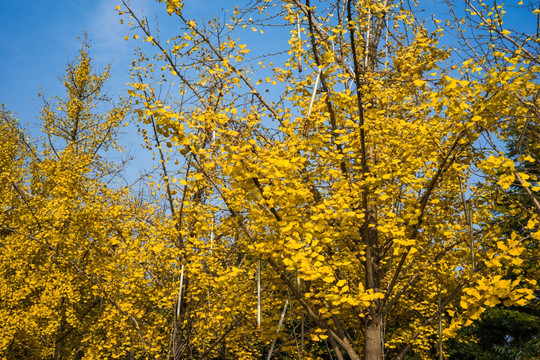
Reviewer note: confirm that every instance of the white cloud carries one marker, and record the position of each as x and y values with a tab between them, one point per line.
105	30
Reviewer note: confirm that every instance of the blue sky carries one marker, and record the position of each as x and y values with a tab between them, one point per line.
38	37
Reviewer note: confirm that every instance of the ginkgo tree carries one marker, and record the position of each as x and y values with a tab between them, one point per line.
319	196
77	252
491	42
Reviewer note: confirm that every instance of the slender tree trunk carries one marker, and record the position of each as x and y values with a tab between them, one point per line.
373	349
180	341
223	350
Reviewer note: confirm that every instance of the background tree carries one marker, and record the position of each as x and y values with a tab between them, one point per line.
484	37
77	259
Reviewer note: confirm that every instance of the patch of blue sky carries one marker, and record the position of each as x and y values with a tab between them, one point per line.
38	38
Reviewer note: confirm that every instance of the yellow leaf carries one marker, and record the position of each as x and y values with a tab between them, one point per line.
449	332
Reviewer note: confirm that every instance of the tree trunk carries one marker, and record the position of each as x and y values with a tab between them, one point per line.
373	344
373	347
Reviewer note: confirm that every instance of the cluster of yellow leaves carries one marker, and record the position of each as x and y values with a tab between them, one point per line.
78	258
